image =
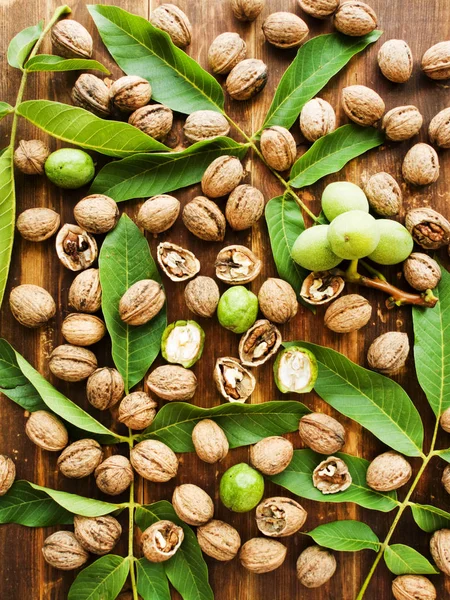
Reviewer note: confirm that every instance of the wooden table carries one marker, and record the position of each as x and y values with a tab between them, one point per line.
25	575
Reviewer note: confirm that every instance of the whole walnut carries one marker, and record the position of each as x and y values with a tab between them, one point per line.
245	206
104	388
154	461
141	302
395	61
222	176
46	431
219	540
210	441
315	566
445	420
332	476
172	382
91	93
202	296
173	21
402	123
225	52
63	551
317	119
246	79
429	228
72	363
260	555
85	293
421	165
31	305
421	271
75	247
439	129
388	471
7	473
348	313
38	224
278	148
130	92
155	120
83	330
280	517
355	18
137	410
114	475
192	504
436	61
30	157
361	104
203	218
413	587
247	10
277	300
159	213
98	535
71	40
446	479
205	125
161	540
320	9
271	455
388	352
440	550
285	30
384	194
96	213
80	458
322	433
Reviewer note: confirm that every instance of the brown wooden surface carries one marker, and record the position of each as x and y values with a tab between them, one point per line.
24	574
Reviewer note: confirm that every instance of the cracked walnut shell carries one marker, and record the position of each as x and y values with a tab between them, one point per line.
104	388
173	21
388	471
388	352
429	228
114	475
225	52
362	104
7	473
219	540
348	313
141	302
355	18
233	380
161	540
245	206
395	61
421	165
172	382
246	79
436	61
203	218
271	455
80	458
285	30
63	551
261	555
277	300
332	476
321	287
210	441
259	343
158	213
46	431
278	148
98	535
205	125
71	40
75	247
237	265
154	461
280	517
38	224
315	566
31	305
72	363
177	263
202	296
192	504
322	433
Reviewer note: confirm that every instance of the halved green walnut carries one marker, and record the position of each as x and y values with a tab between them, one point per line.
233	381
182	343
295	370
259	343
321	287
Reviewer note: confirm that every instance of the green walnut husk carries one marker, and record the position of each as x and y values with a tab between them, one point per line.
182	343
295	370
241	488
237	309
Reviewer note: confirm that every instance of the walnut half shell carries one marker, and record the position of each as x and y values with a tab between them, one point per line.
177	263
233	381
259	343
75	247
332	476
237	265
321	287
161	540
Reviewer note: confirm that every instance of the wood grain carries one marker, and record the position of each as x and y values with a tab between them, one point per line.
24	573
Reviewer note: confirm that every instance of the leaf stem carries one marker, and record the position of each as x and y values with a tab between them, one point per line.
131	509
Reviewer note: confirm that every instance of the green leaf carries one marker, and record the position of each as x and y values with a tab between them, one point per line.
22	44
429	518
80	127
102	580
5	109
316	63
297	478
125	258
139	48
432	347
372	400
346	536
403	560
186	570
7	215
78	505
243	424
29	506
55	64
332	152
152	582
145	175
14	384
444	454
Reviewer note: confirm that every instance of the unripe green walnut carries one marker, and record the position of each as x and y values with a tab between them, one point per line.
237	309
312	250
241	488
342	196
353	234
395	244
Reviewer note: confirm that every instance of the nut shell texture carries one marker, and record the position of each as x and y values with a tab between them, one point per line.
141	302
210	441
246	79
247	10
92	94
233	380
172	382
192	504
429	228
98	535
83	330
395	61
413	587
322	433
260	555
278	148
31	305
104	388
75	247
285	30
320	9
439	129
280	517
173	21
388	352
155	120
202	296
277	300
130	92
259	343
440	550
30	157
7	473
63	551
222	176
85	293
226	51
205	125
71	40
421	165
445	420
388	471
38	224
271	455
315	566
114	475
436	61
219	540
237	265
348	313
384	194
362	105
332	476
203	218
154	461
46	431
355	18
80	459
137	410
177	263
402	123
96	213
161	540
421	271
245	206
72	363
159	213
317	119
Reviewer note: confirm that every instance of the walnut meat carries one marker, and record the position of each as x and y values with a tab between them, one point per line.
161	540
203	218
355	18
30	157
285	30
246	79
421	271
159	213
421	165
395	61
63	551
226	51
233	380
247	10
280	517
439	129
388	352
277	300
416	587
436	61
141	302
388	471
317	119
429	228
137	410
322	433
237	265
75	247
440	550
104	388
72	363
202	296
332	476
83	330
271	455
71	40
114	475
259	343
361	104
205	125
348	313
96	213
278	148
172	382
210	441
321	287
31	305
85	293
38	224
155	120
98	535
130	92
245	206
177	263
173	21
219	540
192	504
7	473
91	93
402	123
222	176
46	431
320	9
315	566
154	461
384	194
80	459
260	555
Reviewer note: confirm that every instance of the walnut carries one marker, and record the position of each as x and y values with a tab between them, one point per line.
72	363
172	382
226	51
446	479
246	79
141	302
440	550
277	300
155	120
402	123
332	476
361	104
429	228
439	129
271	455
192	504
204	219
161	540
82	330
91	93
154	461
245	206
114	475
348	313
280	517
247	10
388	471
159	213
233	380
38	224
320	9
104	388
259	343
130	92
7	473
355	18
80	459
421	271
63	551
96	213
210	441
421	165
98	535
388	352
322	433
30	157
237	265
31	305
416	587
315	566
71	40
46	431
76	249
260	555
321	287
384	194
177	263
205	125
278	148
219	540
285	30
222	176
85	293
436	61
173	21
395	61
317	119
137	410
202	296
